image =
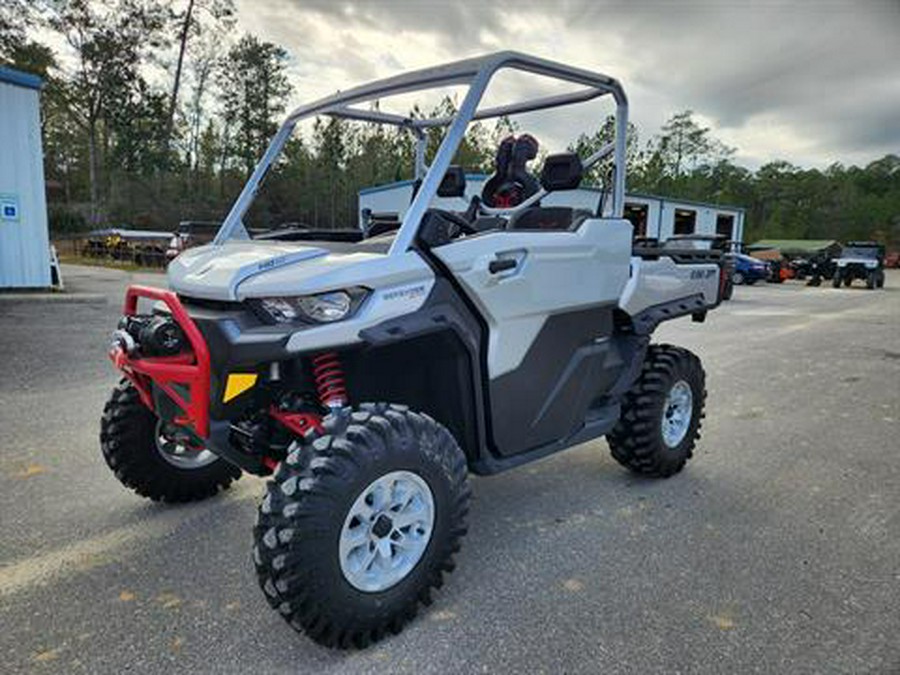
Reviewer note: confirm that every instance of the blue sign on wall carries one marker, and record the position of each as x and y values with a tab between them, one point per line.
9	208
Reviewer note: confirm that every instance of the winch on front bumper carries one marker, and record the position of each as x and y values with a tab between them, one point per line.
183	377
240	403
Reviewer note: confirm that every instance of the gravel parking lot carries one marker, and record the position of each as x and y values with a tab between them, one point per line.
777	550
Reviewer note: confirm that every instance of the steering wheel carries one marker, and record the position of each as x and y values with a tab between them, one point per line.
456	219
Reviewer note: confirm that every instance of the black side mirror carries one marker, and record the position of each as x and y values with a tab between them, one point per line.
562	172
454	183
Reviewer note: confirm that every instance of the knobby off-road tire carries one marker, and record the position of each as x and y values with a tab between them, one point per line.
836	279
871	280
128	439
639	441
728	291
309	504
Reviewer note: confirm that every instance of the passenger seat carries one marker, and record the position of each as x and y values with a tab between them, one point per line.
561	172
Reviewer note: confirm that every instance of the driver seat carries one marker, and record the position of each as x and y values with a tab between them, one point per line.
511	183
561	172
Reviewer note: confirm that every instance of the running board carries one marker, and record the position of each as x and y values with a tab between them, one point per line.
598	422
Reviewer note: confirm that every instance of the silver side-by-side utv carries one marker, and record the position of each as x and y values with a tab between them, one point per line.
862	260
367	379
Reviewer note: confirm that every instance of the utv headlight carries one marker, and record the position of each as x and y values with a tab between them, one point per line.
320	308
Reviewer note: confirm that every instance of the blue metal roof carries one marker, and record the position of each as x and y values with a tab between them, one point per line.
17	77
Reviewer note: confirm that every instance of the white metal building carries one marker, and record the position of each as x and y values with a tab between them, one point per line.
651	215
662	217
24	239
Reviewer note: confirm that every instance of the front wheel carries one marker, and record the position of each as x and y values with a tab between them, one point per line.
361	523
871	280
737	278
661	414
155	459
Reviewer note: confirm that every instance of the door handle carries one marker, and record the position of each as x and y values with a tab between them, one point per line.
502	265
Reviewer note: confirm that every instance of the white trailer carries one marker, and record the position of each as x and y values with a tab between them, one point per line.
24	239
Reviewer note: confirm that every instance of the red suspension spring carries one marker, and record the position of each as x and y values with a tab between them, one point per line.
329	377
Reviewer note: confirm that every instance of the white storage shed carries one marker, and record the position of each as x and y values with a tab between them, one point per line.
24	239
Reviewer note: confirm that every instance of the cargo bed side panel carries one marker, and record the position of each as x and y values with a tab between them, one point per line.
654	282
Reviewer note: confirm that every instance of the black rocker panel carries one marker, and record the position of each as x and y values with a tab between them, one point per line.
546	398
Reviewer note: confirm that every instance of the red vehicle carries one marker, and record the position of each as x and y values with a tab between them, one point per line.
892	259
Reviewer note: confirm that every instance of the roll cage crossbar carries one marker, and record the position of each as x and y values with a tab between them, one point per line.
477	74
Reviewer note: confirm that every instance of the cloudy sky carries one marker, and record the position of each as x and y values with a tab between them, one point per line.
813	82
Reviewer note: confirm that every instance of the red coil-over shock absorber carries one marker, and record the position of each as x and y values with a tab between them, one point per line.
329	378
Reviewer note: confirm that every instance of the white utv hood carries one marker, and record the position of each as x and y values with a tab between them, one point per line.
215	272
255	269
239	270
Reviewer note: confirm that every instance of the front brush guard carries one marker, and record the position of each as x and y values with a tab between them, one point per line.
190	370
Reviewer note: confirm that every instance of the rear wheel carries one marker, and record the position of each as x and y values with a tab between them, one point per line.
156	459
728	291
361	523
879	281
848	279
661	414
836	279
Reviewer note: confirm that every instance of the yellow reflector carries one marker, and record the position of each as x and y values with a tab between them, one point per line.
237	384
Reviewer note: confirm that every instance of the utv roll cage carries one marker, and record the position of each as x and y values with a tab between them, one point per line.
477	74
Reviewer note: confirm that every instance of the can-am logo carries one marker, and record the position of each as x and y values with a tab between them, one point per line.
272	262
408	293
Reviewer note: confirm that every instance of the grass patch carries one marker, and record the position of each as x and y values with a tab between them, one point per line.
124	265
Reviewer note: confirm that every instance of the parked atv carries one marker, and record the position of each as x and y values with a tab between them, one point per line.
863	260
813	269
366	379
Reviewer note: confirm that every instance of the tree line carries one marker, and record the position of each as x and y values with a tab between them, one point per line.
155	111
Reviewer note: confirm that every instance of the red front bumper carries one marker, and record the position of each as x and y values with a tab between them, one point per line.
191	369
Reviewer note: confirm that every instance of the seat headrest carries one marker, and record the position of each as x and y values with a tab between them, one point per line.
511	183
503	156
525	150
454	182
562	171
